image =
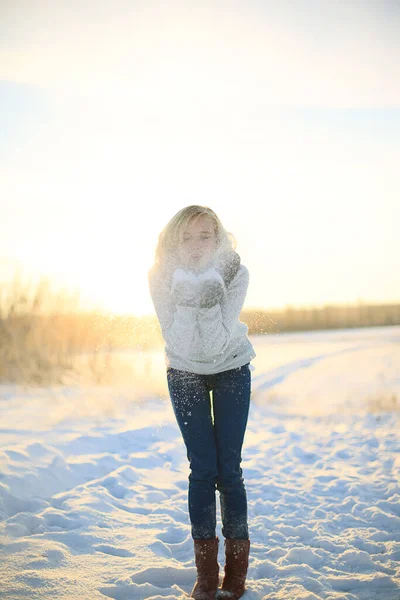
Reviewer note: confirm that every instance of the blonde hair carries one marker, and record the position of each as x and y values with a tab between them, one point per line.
170	236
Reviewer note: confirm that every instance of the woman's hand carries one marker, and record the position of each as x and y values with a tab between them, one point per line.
228	266
212	288
214	281
185	288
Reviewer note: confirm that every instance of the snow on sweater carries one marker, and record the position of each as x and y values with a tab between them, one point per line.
203	340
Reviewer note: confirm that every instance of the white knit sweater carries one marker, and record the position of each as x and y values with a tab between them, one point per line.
203	340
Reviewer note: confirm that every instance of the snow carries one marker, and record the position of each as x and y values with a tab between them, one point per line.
93	480
180	275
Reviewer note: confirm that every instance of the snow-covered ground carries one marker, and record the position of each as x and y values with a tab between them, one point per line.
93	480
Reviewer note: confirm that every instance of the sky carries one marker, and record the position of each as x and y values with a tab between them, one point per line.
284	117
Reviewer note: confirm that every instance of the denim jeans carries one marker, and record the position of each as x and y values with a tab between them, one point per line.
213	435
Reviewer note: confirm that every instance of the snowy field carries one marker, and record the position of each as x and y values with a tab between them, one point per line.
93	481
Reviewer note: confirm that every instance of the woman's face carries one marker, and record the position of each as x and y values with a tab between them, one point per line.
198	243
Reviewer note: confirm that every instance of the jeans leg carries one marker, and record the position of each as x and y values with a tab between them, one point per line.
231	398
190	397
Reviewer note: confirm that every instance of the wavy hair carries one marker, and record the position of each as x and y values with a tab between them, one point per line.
171	235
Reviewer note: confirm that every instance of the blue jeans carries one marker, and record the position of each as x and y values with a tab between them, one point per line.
213	436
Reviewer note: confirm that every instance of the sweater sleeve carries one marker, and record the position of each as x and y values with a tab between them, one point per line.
216	324
178	324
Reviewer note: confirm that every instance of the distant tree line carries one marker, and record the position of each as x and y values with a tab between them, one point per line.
325	317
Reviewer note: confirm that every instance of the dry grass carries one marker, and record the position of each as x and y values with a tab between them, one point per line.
32	349
383	403
45	339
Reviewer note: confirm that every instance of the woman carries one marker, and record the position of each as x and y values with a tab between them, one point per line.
198	286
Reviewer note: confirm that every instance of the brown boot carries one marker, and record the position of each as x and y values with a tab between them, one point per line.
206	558
236	565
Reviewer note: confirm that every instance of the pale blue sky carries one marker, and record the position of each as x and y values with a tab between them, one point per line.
283	117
